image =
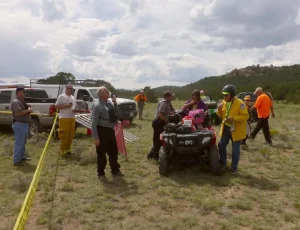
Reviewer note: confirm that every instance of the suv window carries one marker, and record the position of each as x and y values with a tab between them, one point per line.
36	94
5	96
81	93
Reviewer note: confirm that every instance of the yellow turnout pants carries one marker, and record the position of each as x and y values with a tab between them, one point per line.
66	132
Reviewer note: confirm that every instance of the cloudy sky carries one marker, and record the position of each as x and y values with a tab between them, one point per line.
134	43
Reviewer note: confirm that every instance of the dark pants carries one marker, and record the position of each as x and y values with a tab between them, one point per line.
157	126
108	144
141	108
21	133
226	137
263	123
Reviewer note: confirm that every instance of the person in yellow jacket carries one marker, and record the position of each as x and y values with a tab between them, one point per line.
141	99
234	114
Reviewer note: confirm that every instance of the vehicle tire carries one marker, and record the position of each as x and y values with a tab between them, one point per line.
164	161
34	128
130	120
214	160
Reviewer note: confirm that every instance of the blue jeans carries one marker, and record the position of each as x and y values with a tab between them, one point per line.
21	133
226	137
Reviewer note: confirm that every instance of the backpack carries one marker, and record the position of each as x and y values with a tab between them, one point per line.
198	115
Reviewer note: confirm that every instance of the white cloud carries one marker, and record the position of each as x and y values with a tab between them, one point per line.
134	43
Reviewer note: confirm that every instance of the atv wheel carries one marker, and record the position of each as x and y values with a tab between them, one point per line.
214	157
163	161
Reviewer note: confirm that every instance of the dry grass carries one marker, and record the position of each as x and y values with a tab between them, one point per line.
265	195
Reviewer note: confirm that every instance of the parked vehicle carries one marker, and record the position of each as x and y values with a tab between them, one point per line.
126	107
53	90
253	97
42	106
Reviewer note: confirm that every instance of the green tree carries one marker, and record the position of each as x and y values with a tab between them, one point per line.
98	83
150	94
59	78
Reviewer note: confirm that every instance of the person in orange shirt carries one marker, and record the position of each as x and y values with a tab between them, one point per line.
141	99
264	107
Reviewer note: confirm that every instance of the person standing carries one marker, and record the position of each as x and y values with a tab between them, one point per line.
66	105
264	107
21	120
103	120
164	109
247	100
141	99
234	115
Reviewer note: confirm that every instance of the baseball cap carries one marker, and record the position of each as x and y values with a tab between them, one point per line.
20	89
168	94
258	89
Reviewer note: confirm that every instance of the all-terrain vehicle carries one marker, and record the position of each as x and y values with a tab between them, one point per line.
185	143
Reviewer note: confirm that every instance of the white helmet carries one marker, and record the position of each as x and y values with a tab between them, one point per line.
201	91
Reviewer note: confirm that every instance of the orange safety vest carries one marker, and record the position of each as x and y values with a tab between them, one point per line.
140	97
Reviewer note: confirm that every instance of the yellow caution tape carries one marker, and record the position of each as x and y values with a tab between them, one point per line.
23	215
37	114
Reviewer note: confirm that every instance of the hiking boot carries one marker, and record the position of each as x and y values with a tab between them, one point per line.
234	172
118	174
18	164
223	167
102	178
26	159
152	155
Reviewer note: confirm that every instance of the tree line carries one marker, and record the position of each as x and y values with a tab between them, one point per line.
282	82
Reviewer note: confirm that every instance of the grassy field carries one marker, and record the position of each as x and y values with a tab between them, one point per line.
265	195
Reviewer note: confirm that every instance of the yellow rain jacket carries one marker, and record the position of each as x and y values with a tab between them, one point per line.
240	116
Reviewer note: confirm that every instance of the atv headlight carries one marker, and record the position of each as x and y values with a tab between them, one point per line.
206	140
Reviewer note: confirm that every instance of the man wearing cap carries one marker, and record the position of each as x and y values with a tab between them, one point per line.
164	109
141	99
234	115
264	107
247	100
21	120
66	105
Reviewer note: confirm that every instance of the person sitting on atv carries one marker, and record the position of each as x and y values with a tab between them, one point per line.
202	94
164	110
194	103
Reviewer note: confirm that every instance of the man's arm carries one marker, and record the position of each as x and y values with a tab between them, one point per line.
272	110
163	117
59	105
257	103
161	111
18	110
94	122
243	116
